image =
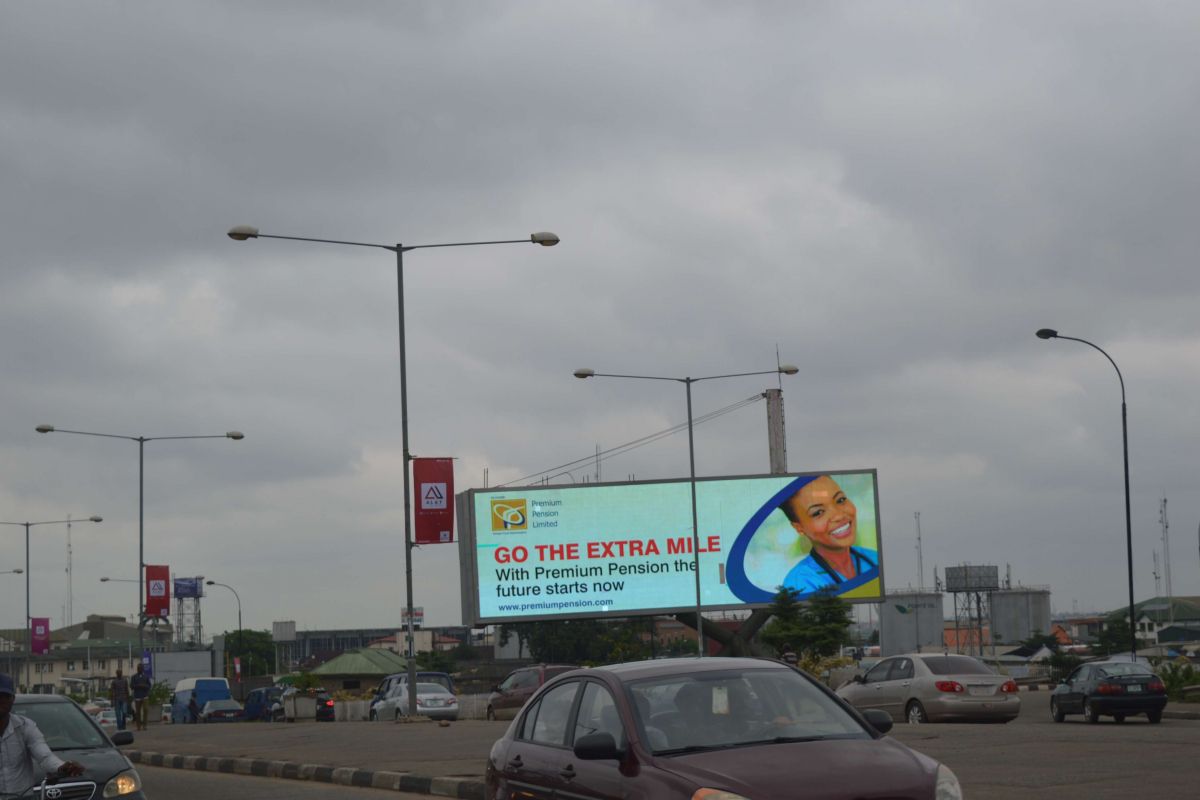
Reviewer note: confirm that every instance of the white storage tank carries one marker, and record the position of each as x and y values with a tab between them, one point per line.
1019	613
909	622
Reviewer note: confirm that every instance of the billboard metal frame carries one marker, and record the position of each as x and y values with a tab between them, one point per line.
466	522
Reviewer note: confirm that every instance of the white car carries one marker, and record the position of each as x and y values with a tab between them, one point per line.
433	700
106	719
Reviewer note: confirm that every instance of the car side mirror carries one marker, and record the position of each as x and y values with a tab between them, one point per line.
879	720
597	747
122	738
496	689
860	679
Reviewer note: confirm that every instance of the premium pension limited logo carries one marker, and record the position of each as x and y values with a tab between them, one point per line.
510	515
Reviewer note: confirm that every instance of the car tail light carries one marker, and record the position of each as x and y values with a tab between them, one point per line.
950	686
450	701
1009	687
329	702
1110	688
1157	686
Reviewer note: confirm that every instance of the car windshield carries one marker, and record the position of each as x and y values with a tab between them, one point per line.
736	708
956	665
431	688
64	725
1114	670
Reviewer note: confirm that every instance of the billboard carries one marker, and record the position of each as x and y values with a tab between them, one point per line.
189	587
628	548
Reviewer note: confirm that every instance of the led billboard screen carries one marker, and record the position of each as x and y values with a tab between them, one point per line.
627	548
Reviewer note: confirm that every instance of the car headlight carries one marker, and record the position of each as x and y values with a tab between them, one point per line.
123	783
947	785
716	794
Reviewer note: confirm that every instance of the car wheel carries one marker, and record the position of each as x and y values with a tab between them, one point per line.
1155	717
1056	713
916	713
1090	712
1118	717
491	714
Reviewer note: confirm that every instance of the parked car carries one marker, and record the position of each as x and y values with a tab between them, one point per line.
260	701
203	689
935	687
75	736
324	704
388	684
510	696
222	711
1113	688
106	718
433	701
704	728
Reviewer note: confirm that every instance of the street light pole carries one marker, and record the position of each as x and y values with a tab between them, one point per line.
241	640
28	612
141	440
1050	333
786	369
240	233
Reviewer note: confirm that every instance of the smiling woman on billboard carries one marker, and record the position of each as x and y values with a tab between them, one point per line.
815	520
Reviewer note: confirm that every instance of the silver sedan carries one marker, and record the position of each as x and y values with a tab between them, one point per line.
433	700
933	687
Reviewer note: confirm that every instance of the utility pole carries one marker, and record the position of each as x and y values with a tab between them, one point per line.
1166	541
920	561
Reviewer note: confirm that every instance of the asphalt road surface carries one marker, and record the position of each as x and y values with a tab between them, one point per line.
161	783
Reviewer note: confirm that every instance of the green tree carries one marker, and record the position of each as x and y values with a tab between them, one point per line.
256	649
819	627
1114	638
580	641
435	661
1039	639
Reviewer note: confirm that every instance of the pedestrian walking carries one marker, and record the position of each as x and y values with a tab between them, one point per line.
118	693
139	685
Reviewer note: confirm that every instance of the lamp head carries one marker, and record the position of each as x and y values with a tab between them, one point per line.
210	583
44	429
105	580
18	571
584	373
1047	333
95	518
236	435
544	238
240	233
789	369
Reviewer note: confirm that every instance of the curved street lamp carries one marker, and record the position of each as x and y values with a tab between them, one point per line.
241	640
1050	333
237	436
28	613
241	233
784	369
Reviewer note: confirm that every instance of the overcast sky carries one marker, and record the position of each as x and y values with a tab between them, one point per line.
893	196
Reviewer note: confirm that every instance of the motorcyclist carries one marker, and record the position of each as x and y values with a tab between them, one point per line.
22	746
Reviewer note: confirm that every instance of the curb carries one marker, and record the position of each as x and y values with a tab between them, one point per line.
463	788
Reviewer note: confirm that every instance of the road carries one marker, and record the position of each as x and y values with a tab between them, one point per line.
181	784
1031	757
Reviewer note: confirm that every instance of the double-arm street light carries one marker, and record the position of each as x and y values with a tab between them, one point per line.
241	233
1050	333
28	613
785	369
141	440
241	641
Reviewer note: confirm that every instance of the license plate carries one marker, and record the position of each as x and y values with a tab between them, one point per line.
1134	688
978	691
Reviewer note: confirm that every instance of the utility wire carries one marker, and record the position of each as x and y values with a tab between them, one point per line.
621	449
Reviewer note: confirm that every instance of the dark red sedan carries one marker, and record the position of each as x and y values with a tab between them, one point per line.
704	729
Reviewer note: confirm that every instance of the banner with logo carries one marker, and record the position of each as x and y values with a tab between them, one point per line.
147	664
628	548
158	591
237	667
39	635
434	479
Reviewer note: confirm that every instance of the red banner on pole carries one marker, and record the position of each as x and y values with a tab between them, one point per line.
39	635
237	667
434	478
158	591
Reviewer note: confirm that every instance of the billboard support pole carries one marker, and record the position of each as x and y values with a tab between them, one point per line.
695	527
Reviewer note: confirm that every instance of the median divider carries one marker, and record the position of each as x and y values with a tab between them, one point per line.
465	788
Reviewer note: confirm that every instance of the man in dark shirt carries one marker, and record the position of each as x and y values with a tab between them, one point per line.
118	693
139	684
